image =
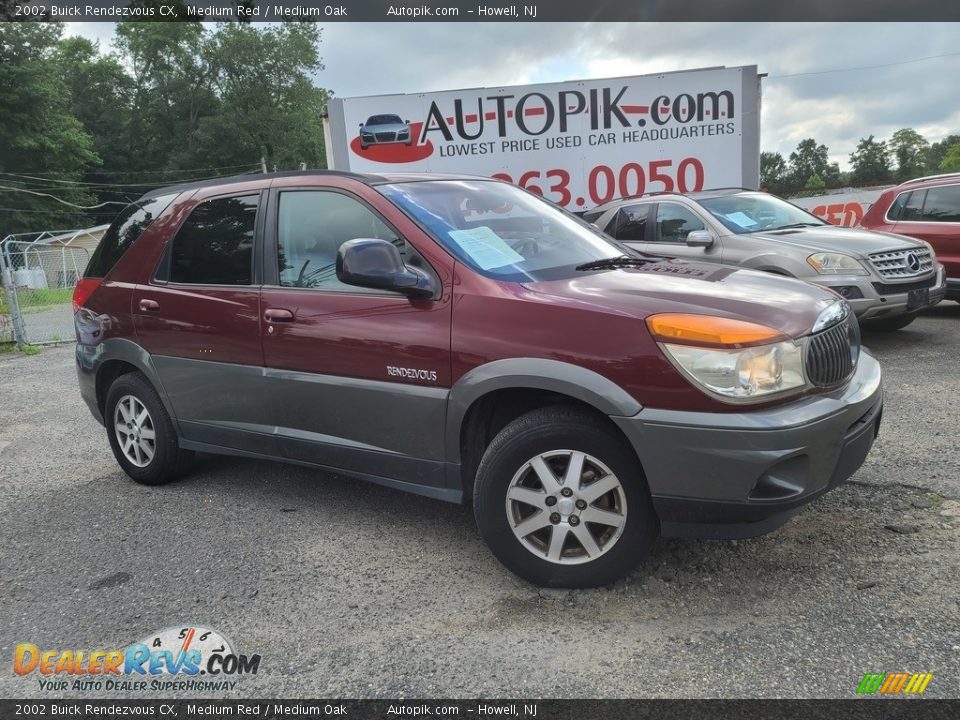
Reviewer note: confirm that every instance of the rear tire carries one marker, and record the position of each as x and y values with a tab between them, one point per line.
141	432
887	324
589	527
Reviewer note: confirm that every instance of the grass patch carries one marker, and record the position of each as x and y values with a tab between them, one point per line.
31	350
38	298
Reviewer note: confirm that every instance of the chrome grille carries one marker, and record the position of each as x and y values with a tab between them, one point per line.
832	354
386	137
910	262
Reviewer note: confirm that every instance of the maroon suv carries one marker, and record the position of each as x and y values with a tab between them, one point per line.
463	339
928	209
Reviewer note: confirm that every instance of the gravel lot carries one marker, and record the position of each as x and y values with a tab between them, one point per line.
353	590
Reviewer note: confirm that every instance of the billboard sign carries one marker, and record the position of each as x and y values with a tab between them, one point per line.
579	144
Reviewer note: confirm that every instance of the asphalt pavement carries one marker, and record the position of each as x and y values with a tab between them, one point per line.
353	590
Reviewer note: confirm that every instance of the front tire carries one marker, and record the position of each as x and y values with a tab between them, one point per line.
561	500
141	432
888	324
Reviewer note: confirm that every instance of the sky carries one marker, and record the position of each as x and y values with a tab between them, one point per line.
836	82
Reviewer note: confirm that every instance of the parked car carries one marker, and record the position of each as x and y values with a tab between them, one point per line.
465	340
383	130
886	278
927	208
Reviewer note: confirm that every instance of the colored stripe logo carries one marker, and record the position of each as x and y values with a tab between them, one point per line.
894	683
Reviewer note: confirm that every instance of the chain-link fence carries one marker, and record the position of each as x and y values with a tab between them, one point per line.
38	281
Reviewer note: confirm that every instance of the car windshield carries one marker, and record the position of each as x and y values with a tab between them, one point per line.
501	231
384	120
755	212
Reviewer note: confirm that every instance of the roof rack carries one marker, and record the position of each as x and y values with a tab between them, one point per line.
655	193
931	177
247	177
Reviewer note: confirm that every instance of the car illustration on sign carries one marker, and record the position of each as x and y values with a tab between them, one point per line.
383	130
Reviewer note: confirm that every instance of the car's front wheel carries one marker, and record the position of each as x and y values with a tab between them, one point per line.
561	500
141	432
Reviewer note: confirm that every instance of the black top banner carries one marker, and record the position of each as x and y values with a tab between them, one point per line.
474	11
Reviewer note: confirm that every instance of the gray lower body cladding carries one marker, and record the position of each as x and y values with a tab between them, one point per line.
711	474
743	474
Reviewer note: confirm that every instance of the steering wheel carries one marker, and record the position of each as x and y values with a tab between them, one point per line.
528	247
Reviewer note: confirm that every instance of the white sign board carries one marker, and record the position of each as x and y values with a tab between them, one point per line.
579	144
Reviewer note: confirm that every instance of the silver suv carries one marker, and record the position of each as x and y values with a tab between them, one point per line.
886	278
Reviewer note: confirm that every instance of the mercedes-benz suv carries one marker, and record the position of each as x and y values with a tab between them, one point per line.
886	278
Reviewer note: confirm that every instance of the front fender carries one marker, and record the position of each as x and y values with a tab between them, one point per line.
532	374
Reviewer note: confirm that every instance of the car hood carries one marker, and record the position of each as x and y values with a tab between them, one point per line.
790	306
841	239
389	127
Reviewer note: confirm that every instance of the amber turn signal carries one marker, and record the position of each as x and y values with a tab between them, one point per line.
710	331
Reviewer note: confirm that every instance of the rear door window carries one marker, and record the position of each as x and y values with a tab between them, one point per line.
913	207
126	228
214	246
942	204
631	223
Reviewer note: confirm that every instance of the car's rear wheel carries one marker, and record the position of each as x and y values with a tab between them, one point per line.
561	500
888	324
141	432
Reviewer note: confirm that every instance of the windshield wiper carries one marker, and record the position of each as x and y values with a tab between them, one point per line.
796	225
619	261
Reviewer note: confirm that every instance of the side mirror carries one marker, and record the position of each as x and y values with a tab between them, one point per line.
406	122
361	125
699	238
375	263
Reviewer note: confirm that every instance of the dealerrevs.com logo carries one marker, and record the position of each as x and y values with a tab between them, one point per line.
188	658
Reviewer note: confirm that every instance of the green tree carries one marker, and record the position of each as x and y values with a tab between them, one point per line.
172	89
815	183
773	171
269	104
938	152
99	96
951	161
870	162
909	148
811	159
39	136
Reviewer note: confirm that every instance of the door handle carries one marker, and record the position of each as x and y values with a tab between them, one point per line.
149	305
273	315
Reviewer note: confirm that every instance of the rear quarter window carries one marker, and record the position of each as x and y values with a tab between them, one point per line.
124	231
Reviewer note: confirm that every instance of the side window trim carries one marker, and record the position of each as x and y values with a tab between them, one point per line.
161	272
271	235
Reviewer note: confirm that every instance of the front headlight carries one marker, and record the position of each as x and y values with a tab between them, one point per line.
712	354
827	263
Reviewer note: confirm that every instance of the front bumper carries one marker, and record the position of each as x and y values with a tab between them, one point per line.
730	475
871	296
